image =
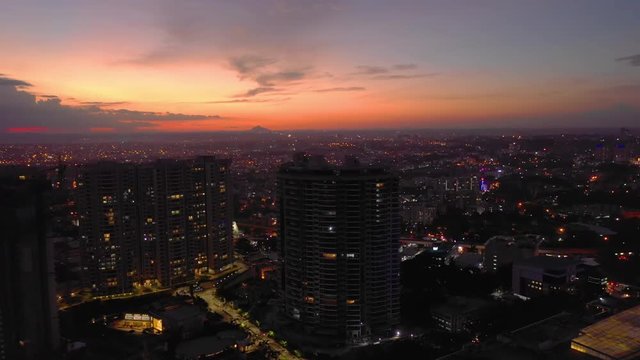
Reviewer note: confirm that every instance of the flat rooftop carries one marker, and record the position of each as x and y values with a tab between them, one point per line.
616	337
546	334
547	262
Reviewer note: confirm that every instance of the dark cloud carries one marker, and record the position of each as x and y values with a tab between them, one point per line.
249	64
256	91
264	71
403	76
19	108
104	103
5	81
268	75
395	72
146	116
467	96
370	70
273	78
405	66
633	60
339	89
235	101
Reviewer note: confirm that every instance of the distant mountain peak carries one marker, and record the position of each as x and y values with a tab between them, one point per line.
260	130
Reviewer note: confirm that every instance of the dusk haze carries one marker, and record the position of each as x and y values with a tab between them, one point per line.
192	66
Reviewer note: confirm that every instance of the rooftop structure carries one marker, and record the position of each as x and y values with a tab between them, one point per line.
616	337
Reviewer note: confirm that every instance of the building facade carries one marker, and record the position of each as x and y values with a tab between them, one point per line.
108	214
340	248
161	222
28	312
543	275
500	251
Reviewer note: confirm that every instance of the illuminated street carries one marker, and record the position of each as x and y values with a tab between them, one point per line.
231	314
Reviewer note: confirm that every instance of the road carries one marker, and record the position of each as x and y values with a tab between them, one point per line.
230	314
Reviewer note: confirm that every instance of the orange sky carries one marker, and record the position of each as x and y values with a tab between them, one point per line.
287	64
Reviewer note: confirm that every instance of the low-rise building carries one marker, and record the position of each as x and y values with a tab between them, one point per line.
542	275
501	251
459	314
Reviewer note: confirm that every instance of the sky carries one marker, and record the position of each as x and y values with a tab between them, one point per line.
132	66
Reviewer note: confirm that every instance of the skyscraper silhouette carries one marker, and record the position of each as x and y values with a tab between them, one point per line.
340	231
28	312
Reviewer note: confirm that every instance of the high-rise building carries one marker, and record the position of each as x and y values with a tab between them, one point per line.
340	230
108	214
28	312
159	222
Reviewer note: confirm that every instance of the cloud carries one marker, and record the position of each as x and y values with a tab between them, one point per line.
266	73
375	70
249	64
273	78
103	103
256	91
22	109
341	89
401	76
5	81
405	66
394	72
145	116
211	31
370	70
235	101
468	96
633	60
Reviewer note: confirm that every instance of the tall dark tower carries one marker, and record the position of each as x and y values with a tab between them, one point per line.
186	218
28	310
107	208
340	230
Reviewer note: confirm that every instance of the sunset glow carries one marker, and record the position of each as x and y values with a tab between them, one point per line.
283	64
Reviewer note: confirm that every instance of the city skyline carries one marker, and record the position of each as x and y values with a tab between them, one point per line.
319	179
91	67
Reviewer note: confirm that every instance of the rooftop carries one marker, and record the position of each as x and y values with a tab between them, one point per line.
547	262
317	165
616	337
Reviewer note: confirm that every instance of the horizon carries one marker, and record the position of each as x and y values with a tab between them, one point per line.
161	137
